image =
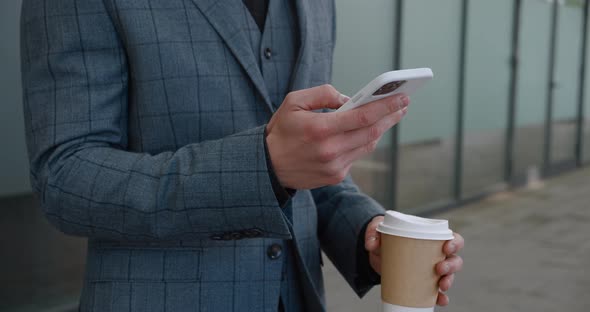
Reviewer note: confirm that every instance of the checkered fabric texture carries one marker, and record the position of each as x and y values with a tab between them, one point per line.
145	125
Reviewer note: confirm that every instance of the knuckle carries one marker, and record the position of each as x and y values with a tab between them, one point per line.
459	262
442	267
394	105
289	97
362	118
374	133
334	173
327	154
328	88
331	171
320	131
337	177
316	131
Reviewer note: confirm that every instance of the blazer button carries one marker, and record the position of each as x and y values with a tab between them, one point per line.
268	53
274	251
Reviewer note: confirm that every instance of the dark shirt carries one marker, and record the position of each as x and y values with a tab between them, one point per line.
258	10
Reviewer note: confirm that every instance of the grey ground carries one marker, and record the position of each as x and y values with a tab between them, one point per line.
526	251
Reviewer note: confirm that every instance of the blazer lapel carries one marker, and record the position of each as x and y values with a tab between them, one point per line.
224	16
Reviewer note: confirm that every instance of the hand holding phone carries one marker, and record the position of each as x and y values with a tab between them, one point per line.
390	83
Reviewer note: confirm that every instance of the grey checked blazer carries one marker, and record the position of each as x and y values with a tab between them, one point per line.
145	124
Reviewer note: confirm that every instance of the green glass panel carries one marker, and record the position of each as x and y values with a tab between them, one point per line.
567	73
535	31
487	88
431	38
365	49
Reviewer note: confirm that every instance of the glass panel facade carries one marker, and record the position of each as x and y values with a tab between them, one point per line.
487	85
427	133
535	30
363	51
567	76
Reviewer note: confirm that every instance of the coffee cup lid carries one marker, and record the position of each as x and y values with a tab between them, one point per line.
399	224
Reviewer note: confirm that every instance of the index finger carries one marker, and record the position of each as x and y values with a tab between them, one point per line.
454	245
368	114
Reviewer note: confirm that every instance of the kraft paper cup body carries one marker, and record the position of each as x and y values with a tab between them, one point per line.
410	248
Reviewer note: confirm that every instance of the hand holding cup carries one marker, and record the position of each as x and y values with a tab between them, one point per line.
441	273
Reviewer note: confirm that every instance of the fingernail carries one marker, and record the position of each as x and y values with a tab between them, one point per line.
445	269
405	101
372	238
404	111
344	98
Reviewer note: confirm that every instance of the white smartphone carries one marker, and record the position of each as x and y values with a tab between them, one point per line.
400	81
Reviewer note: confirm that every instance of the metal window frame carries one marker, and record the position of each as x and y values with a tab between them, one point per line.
460	118
512	94
581	89
550	90
395	136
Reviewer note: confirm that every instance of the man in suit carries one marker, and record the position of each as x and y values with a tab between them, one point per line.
180	137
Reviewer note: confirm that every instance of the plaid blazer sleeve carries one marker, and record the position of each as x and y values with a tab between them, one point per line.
75	80
343	212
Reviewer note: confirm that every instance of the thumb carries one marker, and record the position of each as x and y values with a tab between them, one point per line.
372	243
372	237
325	96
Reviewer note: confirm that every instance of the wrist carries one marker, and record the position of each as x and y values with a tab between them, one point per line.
282	194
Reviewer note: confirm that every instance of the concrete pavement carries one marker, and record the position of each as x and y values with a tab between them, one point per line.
527	250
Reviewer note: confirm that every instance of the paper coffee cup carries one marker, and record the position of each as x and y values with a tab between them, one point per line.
410	249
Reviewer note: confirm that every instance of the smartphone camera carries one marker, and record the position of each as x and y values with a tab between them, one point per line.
389	87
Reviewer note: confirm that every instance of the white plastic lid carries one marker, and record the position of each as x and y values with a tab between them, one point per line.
399	224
